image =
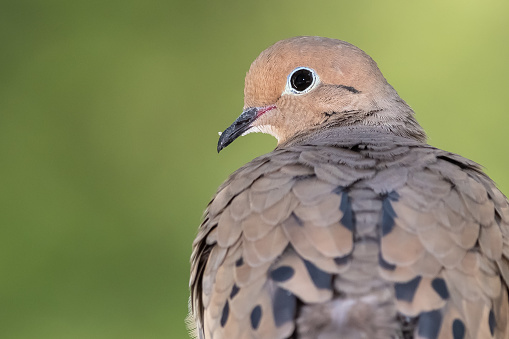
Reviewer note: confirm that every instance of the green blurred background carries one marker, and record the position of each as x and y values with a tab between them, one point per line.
109	113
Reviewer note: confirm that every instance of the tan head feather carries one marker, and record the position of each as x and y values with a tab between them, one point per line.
349	89
302	84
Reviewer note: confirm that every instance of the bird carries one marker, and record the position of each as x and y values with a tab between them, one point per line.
353	226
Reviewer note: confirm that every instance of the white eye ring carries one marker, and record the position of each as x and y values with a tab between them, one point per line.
301	80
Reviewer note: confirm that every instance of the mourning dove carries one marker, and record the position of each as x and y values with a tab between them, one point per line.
353	227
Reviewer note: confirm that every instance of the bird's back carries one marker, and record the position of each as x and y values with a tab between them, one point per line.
353	232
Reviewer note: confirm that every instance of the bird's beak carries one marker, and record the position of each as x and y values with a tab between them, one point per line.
240	126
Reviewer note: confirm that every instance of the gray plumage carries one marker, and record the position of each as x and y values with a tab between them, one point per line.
350	229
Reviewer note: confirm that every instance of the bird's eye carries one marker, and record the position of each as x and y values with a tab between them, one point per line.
302	79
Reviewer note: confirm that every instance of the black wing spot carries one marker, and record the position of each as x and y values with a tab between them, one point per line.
224	314
388	213
406	291
297	219
345	206
429	324
458	329
235	290
239	262
393	196
338	190
498	217
384	264
342	260
256	316
284	306
492	322
440	287
282	273
320	278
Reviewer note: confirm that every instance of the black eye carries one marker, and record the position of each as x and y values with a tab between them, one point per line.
301	79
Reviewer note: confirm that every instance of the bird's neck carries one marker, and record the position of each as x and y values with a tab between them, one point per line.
381	119
394	116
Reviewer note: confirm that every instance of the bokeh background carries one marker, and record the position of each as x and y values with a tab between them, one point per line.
109	113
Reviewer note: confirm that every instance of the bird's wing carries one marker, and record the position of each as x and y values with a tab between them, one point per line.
362	240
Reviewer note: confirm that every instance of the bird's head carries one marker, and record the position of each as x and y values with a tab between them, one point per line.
302	84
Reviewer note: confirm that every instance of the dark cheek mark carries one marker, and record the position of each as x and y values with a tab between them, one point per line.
349	88
329	114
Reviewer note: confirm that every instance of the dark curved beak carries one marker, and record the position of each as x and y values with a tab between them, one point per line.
239	126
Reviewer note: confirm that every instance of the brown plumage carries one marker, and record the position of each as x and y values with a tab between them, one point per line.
353	227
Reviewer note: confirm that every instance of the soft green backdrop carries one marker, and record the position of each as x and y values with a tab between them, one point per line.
109	113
